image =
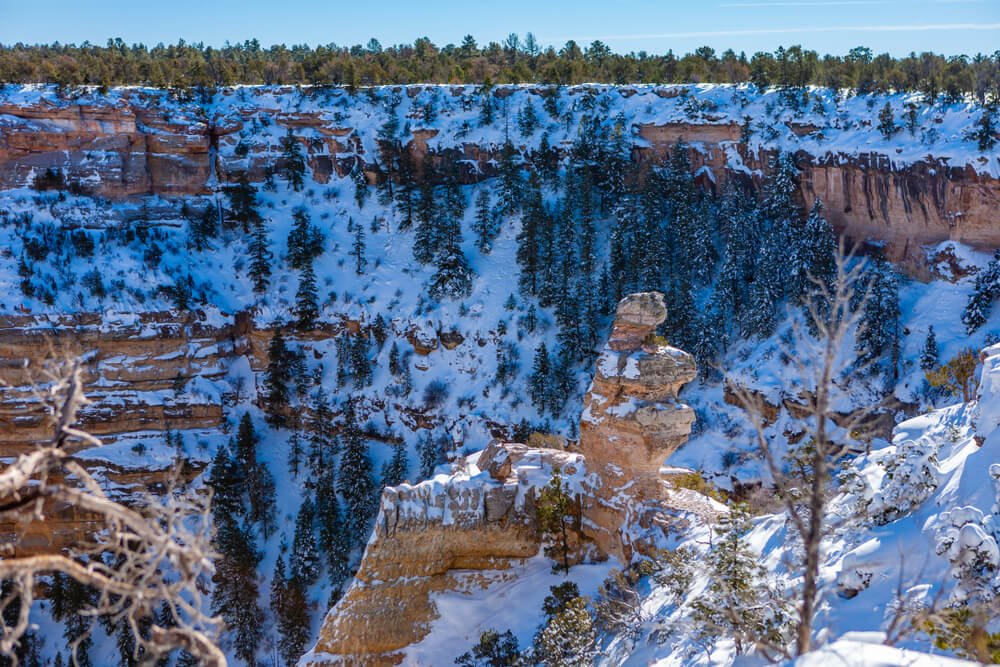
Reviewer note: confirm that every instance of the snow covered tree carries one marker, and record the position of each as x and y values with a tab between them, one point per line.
816	256
306	299
304	564
985	292
293	166
452	277
740	602
354	479
509	182
322	439
929	355
494	649
291	611
878	337
234	596
986	128
305	240
334	540
259	485
568	638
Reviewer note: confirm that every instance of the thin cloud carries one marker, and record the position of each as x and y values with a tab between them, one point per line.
925	27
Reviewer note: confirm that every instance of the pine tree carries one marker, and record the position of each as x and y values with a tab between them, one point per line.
358	250
260	489
555	512
985	292
493	650
260	257
234	596
360	185
986	128
452	277
242	198
509	181
322	441
484	225
305	563
293	163
305	241
295	447
293	623
878	338
204	227
306	300
333	535
568	638
277	380
929	355
739	602
226	479
538	384
279	588
887	122
354	479
395	469
406	196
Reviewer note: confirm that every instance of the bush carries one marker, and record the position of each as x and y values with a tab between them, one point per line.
435	394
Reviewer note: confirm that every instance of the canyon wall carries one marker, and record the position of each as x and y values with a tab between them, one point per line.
135	142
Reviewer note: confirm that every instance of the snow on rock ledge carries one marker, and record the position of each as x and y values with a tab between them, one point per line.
481	518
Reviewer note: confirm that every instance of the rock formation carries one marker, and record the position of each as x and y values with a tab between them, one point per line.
139	142
632	421
483	517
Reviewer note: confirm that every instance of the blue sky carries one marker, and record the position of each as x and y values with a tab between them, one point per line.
829	26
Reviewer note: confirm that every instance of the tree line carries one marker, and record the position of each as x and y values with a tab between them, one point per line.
515	60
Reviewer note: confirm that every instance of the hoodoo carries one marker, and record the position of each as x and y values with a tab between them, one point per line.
483	515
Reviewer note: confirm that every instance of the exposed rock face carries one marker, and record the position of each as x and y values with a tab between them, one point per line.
632	421
485	519
133	144
481	519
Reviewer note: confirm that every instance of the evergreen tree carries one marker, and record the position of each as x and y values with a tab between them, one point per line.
305	562
242	198
204	227
295	447
929	355
877	339
986	290
485	224
493	650
226	479
293	623
509	181
305	241
986	128
260	257
306	300
538	384
234	596
427	234
739	602
555	513
568	638
334	539
293	163
277	379
260	489
354	480
322	441
452	277
887	122
406	191
395	469
358	250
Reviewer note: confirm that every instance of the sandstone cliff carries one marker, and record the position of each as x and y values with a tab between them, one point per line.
141	142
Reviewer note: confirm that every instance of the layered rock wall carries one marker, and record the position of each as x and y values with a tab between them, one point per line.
136	142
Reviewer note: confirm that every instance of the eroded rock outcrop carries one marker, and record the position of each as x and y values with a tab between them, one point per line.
632	421
480	518
484	517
